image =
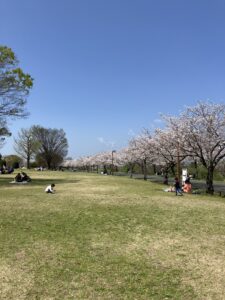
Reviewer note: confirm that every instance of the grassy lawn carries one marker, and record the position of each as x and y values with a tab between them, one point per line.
106	237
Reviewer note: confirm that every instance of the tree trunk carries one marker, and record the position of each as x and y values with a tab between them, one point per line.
209	180
131	167
196	169
105	170
145	169
172	168
28	162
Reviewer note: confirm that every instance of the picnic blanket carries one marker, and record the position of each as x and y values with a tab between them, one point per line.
20	182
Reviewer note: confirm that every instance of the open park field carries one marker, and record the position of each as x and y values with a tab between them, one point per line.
108	237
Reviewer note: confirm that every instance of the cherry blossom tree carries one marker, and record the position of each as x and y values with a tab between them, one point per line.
104	159
200	131
167	150
127	156
143	150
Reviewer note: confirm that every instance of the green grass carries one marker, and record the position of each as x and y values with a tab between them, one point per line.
106	237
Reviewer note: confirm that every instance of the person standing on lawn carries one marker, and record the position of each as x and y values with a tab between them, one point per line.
178	189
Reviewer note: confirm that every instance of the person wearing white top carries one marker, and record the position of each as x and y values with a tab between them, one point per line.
50	188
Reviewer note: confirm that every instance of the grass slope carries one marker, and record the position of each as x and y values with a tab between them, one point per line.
106	237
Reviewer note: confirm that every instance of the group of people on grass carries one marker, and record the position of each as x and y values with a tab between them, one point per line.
186	187
6	170
22	177
178	189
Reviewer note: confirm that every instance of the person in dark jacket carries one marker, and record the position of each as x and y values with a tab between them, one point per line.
178	189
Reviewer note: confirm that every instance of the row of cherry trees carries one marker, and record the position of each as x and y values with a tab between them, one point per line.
197	134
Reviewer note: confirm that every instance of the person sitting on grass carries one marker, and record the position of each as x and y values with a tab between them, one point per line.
50	188
187	188
25	177
18	178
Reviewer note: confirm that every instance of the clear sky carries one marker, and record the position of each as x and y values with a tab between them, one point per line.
105	69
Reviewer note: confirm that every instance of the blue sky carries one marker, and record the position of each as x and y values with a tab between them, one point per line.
105	69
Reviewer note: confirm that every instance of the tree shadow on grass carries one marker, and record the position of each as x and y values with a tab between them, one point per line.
6	181
49	181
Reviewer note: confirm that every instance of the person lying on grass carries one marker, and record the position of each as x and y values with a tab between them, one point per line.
170	189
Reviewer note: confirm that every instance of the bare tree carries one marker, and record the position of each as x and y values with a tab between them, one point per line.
53	145
26	145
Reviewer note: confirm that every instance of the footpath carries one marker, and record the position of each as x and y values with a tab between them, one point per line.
219	186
